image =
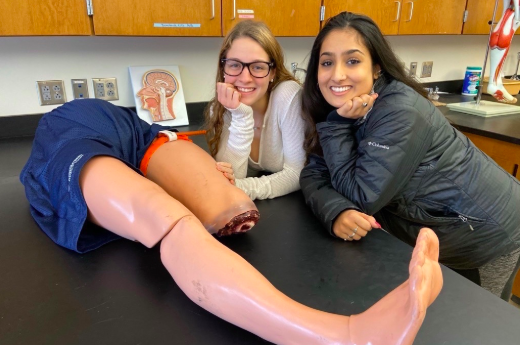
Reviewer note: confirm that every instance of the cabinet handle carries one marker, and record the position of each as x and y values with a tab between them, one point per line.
234	10
410	13
213	9
397	10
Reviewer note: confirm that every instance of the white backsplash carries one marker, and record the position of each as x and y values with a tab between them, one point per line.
24	60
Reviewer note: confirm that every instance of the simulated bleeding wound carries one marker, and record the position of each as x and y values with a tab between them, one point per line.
241	223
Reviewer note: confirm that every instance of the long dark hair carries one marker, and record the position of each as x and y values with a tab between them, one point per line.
314	107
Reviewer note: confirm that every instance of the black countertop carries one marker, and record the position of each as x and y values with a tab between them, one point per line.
503	127
121	294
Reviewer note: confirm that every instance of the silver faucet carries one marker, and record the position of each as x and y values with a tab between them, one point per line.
295	68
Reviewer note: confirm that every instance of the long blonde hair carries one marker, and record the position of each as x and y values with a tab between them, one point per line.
261	34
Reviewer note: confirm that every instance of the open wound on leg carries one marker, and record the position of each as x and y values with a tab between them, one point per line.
241	223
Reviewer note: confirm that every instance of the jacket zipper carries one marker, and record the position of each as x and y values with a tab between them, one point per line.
465	220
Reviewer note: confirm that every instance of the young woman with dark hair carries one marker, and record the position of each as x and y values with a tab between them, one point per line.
377	146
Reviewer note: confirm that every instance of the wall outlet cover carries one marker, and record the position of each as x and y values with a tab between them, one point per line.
80	89
105	88
51	92
426	69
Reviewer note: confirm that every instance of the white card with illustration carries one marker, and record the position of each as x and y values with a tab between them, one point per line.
158	94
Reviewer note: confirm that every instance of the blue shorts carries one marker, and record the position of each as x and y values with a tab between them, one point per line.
66	138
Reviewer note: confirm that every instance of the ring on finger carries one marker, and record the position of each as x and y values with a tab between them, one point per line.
352	235
364	104
355	230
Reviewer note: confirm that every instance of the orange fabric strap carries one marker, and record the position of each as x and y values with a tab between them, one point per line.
156	143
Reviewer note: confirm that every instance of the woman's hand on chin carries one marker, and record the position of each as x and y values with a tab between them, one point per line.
357	107
228	96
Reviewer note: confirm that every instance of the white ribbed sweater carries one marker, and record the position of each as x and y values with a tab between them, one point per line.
281	144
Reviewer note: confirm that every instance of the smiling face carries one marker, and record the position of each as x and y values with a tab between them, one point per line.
253	90
345	67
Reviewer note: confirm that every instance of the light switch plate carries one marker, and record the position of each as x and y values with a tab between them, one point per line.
80	89
105	88
412	69
51	92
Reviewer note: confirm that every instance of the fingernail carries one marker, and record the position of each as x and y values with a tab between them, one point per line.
378	224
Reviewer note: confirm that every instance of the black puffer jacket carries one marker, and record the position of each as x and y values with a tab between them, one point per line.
407	166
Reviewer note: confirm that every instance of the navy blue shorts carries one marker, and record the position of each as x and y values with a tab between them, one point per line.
66	138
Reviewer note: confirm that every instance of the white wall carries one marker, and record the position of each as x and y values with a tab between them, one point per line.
24	60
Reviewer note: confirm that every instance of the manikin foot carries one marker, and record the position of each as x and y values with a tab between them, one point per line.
500	94
397	317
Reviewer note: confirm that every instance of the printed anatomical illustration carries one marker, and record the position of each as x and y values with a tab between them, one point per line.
157	94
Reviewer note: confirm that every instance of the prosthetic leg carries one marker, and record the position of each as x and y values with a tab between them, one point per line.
188	174
499	45
218	279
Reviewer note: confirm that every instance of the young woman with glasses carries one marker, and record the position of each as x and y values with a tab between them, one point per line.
255	120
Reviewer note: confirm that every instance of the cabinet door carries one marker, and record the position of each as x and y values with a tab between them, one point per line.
479	13
505	154
157	17
432	17
284	17
44	17
385	13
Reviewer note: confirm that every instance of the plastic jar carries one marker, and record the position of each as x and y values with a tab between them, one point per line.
471	81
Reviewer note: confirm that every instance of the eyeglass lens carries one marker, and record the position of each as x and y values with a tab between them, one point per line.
257	69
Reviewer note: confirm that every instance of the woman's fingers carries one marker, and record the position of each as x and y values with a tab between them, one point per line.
227	170
352	225
357	107
224	167
372	221
345	110
230	177
228	96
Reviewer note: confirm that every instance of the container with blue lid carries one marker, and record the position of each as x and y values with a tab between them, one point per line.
471	81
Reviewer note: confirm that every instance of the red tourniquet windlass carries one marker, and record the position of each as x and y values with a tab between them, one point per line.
158	141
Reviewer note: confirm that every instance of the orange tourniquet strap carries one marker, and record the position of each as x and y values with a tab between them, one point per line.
158	141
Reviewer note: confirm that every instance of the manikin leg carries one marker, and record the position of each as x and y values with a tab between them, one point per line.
220	206
226	285
499	45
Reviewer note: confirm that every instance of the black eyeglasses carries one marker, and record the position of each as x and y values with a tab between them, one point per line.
257	69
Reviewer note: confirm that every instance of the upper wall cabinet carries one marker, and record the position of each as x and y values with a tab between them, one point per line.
406	17
283	17
432	17
479	13
157	17
44	17
386	13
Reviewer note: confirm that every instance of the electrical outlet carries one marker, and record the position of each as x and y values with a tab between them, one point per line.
412	69
105	88
426	69
51	92
80	90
